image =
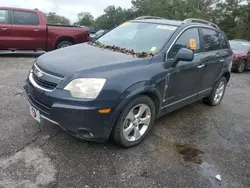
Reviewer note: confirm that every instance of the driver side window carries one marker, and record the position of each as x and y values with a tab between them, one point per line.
189	37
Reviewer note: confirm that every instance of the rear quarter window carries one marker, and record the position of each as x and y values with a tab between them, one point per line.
25	18
223	41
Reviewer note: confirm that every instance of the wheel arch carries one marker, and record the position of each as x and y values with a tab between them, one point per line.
64	38
150	92
227	75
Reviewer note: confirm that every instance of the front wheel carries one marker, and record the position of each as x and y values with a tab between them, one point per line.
241	66
217	93
135	122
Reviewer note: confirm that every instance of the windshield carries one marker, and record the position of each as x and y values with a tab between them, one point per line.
240	46
139	37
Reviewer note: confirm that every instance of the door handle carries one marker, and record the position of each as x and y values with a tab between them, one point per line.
36	30
222	60
4	29
201	66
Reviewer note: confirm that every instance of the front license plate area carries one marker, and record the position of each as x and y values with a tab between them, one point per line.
35	114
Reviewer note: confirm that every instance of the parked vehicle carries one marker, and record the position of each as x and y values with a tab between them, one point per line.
24	29
243	40
98	34
241	55
103	89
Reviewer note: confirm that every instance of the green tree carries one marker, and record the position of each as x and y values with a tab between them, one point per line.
113	16
174	9
85	19
53	18
232	16
229	15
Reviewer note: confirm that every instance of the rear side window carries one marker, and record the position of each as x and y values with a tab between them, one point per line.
4	16
25	18
184	42
223	41
211	40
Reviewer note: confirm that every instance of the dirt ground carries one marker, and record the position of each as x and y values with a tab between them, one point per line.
187	148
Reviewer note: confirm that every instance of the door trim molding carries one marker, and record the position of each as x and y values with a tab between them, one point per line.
176	102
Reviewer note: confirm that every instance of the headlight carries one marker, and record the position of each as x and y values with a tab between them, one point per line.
235	56
85	88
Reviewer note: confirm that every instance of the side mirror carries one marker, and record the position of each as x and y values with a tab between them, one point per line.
183	54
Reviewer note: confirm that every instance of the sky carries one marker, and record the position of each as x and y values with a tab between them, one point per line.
67	8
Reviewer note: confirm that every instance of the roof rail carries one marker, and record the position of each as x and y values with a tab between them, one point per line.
148	17
200	21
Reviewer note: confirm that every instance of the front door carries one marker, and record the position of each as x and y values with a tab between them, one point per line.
5	30
183	79
27	32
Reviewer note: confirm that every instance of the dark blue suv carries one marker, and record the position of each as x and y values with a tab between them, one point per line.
117	85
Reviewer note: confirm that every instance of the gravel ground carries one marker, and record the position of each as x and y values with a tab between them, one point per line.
187	148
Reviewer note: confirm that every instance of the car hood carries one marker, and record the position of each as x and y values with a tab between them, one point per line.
77	58
238	52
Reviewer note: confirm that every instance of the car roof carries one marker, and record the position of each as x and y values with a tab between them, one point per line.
20	9
239	41
161	21
176	23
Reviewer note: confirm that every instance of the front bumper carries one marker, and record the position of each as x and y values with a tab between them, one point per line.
78	117
235	63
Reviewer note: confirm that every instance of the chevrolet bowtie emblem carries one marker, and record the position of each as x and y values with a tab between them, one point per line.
38	74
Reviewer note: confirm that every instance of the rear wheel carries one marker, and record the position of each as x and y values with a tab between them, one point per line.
217	93
64	44
135	122
241	66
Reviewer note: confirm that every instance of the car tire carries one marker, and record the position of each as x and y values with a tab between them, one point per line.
217	93
64	44
241	66
129	130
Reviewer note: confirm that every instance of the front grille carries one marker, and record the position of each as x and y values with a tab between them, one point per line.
43	83
39	105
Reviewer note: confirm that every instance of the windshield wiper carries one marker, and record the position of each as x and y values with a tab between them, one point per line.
94	42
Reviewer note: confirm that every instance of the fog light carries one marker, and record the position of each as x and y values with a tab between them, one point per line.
85	134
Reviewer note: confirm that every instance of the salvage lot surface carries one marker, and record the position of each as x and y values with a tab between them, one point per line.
187	148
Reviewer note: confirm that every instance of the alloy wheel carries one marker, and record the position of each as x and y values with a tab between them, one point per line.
64	45
136	122
219	92
242	66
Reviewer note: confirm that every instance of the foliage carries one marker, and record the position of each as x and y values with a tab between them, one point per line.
85	19
232	16
53	18
113	17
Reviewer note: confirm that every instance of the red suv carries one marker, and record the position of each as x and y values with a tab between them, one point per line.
241	55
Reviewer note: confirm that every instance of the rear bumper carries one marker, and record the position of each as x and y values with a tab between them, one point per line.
79	118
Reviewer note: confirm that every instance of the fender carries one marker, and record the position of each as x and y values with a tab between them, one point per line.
224	71
58	38
129	94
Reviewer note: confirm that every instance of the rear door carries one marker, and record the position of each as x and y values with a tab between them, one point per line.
183	79
5	30
27	32
212	59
